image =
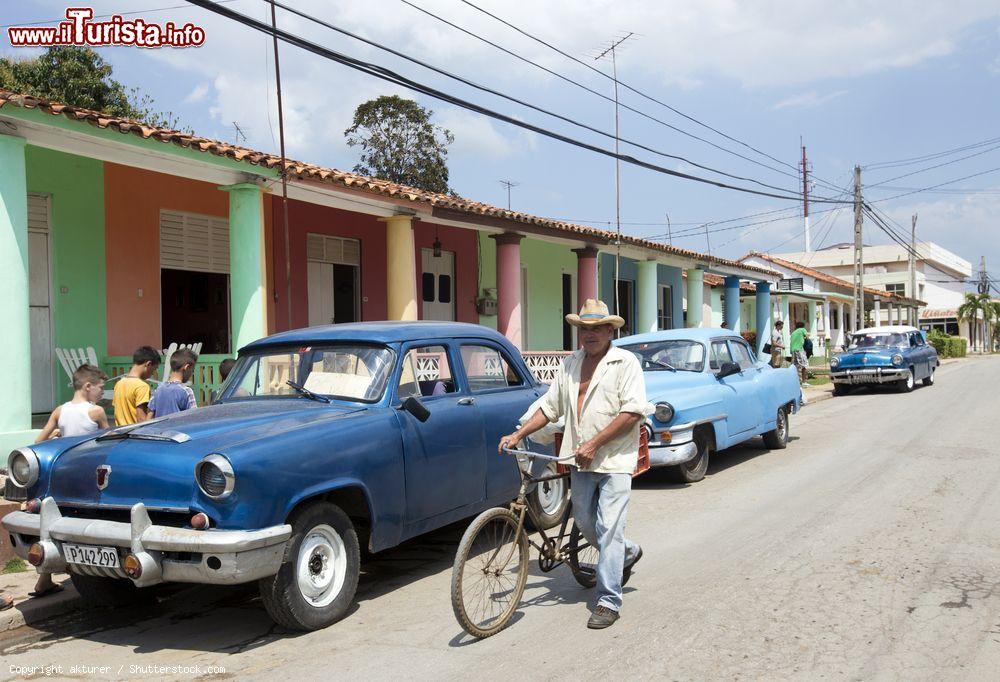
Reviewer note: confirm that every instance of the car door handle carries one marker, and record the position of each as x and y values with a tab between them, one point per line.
466	401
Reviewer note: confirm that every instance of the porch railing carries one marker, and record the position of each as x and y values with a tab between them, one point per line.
205	380
545	364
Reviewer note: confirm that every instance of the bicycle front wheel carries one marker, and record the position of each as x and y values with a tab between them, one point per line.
490	571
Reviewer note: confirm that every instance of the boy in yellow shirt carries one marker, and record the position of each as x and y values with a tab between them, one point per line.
131	401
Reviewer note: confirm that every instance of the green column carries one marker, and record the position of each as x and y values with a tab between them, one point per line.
647	290
247	299
15	341
696	296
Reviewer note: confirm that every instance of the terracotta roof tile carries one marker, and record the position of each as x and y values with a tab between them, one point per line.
308	171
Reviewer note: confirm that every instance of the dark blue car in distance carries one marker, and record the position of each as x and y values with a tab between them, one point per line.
898	355
324	440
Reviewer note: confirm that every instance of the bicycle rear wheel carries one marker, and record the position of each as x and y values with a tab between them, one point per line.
582	558
490	571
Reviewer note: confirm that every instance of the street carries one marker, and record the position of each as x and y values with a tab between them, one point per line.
869	548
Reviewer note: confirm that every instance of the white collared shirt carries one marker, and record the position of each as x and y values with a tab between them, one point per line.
617	386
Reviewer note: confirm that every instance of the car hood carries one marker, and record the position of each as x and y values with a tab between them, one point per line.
155	462
666	385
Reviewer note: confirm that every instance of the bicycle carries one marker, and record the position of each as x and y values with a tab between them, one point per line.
491	565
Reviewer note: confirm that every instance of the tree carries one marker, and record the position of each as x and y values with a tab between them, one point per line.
79	76
970	311
399	143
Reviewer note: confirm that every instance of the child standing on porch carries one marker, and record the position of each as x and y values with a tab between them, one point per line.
131	399
78	417
174	395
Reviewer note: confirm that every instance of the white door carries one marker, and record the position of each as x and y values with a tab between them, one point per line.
320	293
39	301
437	285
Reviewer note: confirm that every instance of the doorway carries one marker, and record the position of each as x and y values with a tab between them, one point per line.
40	304
625	306
333	279
438	285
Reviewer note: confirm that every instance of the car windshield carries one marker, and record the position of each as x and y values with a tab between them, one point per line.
873	340
352	372
679	354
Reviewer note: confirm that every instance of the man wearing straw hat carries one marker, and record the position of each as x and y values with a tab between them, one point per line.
600	393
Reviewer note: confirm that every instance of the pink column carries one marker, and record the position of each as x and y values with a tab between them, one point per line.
586	274
509	286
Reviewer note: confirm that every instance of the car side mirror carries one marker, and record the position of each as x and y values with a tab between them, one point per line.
416	408
727	370
843	347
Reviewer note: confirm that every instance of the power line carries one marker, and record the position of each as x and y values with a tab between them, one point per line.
928	157
515	100
582	86
941	184
390	76
924	170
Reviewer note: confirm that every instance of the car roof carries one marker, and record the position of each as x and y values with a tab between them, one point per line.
379	332
888	329
702	334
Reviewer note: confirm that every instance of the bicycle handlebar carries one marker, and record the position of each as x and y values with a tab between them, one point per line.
570	460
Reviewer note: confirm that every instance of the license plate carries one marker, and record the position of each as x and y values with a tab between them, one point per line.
105	557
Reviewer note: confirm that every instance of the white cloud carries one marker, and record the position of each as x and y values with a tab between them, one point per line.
197	94
808	99
477	136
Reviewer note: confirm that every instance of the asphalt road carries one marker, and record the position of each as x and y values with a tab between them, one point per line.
868	549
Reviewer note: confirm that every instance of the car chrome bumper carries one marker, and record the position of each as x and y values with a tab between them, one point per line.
167	554
679	449
869	375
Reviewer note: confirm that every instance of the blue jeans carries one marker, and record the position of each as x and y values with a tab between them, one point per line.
600	505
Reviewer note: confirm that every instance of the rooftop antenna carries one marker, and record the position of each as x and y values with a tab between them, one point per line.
508	184
239	133
612	51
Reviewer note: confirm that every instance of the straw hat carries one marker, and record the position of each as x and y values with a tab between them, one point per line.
593	314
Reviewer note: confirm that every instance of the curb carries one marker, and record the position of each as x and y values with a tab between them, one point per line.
30	610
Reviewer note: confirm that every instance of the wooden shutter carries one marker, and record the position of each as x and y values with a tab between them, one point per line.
38	213
322	248
189	241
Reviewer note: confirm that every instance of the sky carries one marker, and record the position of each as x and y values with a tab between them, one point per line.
866	83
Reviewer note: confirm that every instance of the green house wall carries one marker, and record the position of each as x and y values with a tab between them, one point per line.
75	186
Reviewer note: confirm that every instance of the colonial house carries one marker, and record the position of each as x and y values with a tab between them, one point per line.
114	234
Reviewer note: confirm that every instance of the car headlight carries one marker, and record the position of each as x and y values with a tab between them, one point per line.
215	477
897	360
664	412
834	361
22	466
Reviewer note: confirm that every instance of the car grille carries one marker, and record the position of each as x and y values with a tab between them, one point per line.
159	517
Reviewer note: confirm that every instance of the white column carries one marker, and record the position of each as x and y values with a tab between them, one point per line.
841	325
877	316
826	321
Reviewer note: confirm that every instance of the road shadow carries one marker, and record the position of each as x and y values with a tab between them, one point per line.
661	478
227	619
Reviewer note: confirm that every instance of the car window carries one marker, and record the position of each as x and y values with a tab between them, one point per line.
487	369
916	339
679	354
351	372
720	354
426	373
741	353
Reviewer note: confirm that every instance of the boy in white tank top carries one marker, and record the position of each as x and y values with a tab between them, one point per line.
78	417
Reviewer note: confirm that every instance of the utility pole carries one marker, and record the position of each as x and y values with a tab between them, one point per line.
618	177
670	236
708	239
239	133
508	184
805	196
913	268
859	263
284	170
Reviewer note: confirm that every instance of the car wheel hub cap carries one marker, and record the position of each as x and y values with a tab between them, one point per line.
550	495
321	566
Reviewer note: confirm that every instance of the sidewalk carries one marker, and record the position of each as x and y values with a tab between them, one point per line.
28	610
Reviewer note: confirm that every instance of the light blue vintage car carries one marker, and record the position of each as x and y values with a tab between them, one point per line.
711	392
898	355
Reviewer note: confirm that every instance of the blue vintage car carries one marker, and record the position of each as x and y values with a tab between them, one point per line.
710	392
325	440
898	355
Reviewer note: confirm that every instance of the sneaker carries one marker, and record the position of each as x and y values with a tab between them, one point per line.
601	618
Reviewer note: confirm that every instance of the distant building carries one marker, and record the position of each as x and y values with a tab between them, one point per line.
941	276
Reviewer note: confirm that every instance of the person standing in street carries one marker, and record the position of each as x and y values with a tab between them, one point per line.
797	345
600	393
777	345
